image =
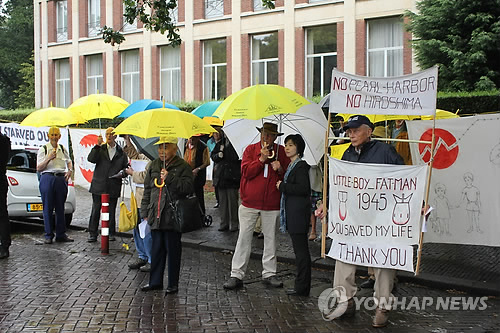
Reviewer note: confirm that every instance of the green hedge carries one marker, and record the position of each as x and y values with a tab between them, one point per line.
469	103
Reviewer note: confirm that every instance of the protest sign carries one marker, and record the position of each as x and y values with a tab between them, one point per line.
465	191
374	213
412	94
31	136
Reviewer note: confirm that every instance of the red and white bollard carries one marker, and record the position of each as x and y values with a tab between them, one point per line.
105	224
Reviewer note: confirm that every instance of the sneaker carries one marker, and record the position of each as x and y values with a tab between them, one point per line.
47	241
368	284
216	205
381	318
138	264
146	268
273	282
342	310
233	283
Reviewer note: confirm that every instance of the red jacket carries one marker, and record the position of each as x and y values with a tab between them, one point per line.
256	191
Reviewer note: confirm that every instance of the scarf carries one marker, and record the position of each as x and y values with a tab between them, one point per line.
283	226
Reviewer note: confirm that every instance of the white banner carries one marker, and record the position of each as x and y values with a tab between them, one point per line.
465	191
413	94
82	141
31	136
374	213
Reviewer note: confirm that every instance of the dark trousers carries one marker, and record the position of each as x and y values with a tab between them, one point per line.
95	215
4	216
228	208
200	194
54	190
302	262
166	245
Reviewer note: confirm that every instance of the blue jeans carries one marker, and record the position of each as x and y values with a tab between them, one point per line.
54	190
143	246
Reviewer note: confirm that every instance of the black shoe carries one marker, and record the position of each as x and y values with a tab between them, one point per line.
111	238
216	205
368	284
47	241
148	287
146	268
4	252
223	229
171	290
92	239
260	236
65	240
138	264
342	310
273	282
293	292
233	283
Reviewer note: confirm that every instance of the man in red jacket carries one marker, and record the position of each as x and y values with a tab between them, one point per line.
262	165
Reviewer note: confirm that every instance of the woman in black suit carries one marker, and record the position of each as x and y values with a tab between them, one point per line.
295	211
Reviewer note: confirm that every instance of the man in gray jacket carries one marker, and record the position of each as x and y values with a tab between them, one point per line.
109	160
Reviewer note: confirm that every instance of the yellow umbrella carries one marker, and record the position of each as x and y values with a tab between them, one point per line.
441	114
259	101
97	106
163	122
213	121
52	117
375	118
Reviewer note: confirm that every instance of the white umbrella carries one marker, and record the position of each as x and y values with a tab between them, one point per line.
309	121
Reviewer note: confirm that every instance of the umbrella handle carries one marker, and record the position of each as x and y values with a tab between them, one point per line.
271	156
159	185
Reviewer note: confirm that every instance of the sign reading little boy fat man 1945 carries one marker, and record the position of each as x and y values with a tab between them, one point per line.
412	94
374	213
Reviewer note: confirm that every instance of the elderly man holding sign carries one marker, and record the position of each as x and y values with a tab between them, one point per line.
364	150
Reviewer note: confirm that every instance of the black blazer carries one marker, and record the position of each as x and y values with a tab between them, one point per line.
297	191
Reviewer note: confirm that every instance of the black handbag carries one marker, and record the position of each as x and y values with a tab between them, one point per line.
188	214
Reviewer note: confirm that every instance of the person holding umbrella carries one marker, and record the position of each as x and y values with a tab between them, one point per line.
197	156
168	178
110	161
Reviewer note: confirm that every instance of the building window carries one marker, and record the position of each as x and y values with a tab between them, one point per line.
385	47
170	73
95	76
214	69
174	15
62	20
62	83
94	17
265	58
130	76
257	5
127	26
214	8
321	58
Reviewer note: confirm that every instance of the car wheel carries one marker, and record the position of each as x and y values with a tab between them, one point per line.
68	218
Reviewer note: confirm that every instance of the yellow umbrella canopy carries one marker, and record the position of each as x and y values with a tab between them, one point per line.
259	101
375	118
441	114
52	117
163	123
97	106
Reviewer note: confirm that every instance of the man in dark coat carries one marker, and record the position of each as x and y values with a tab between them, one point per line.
4	216
109	160
168	178
363	150
227	175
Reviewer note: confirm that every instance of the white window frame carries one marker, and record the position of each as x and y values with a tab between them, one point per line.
215	67
62	27
214	8
173	71
94	80
265	61
312	56
134	75
383	49
64	83
94	25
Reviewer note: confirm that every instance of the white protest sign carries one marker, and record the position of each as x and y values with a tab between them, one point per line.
374	213
465	191
31	136
413	94
82	141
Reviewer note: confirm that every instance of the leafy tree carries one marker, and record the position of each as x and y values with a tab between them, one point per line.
155	15
463	38
25	94
16	46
